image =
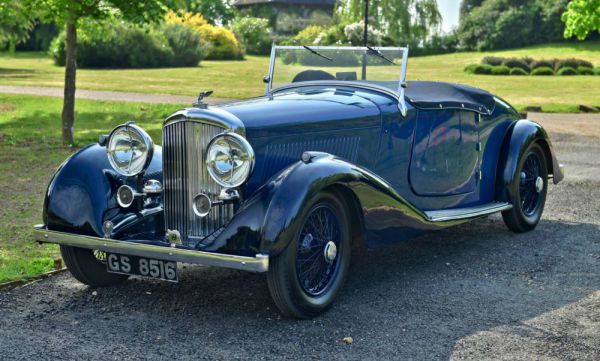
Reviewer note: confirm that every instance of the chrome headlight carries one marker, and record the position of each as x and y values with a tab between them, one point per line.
229	159
129	149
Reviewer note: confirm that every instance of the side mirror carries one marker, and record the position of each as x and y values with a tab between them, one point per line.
266	79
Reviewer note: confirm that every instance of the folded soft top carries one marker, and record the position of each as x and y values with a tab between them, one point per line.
439	95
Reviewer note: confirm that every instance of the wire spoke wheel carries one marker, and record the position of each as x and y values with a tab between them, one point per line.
317	260
531	184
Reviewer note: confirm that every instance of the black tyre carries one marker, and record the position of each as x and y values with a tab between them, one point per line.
305	279
89	267
528	191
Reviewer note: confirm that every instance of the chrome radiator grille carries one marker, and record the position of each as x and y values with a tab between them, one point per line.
185	176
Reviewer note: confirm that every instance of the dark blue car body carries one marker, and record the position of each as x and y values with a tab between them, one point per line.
396	170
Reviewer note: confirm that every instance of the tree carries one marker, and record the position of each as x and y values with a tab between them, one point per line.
216	12
466	6
581	18
15	22
70	14
404	21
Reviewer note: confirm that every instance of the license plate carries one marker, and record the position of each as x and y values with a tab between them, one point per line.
141	266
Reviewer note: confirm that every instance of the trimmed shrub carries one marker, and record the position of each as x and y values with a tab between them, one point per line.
585	70
186	44
567	70
309	36
500	70
470	69
516	63
543	63
254	34
542	71
492	60
572	63
221	42
117	45
597	70
518	71
482	69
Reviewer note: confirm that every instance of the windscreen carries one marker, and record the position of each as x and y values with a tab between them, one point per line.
380	66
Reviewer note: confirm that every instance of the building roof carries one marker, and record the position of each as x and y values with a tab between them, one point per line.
315	3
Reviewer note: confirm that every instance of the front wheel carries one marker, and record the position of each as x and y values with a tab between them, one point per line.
528	191
305	279
89	267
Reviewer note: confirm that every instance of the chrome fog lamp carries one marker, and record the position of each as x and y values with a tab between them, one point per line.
129	149
229	159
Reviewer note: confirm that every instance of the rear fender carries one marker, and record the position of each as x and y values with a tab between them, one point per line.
519	137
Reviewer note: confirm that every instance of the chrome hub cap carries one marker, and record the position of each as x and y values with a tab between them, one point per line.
330	251
539	184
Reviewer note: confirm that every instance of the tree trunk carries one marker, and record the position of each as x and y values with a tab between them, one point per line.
68	112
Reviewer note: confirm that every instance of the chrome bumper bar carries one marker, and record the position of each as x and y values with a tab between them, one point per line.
259	263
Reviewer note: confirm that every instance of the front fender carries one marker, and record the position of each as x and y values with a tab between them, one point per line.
270	219
81	196
518	138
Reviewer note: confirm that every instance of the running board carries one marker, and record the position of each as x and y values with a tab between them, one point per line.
468	212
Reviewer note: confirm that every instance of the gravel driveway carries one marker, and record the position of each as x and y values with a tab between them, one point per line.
475	292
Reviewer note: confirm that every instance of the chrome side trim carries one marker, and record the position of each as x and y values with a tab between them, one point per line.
467	212
259	263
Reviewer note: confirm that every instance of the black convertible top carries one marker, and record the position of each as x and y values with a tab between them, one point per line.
439	95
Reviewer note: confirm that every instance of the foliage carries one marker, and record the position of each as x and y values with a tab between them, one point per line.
466	6
492	60
40	37
517	63
567	70
597	70
407	21
254	33
470	69
499	24
500	70
214	11
311	35
543	63
187	46
355	34
221	42
518	71
581	18
110	44
585	70
482	69
542	71
15	22
572	63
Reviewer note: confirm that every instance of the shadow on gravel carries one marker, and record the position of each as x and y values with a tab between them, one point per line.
415	300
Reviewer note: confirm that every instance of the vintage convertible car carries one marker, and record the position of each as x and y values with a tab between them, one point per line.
339	153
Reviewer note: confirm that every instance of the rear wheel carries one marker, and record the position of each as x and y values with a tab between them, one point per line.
305	279
529	191
89	267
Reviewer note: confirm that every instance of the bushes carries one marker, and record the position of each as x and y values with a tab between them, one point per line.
254	34
542	71
308	36
517	63
220	42
597	70
522	66
518	71
482	69
500	70
118	45
585	70
567	70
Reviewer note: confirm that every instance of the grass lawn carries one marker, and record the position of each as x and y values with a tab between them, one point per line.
239	79
30	152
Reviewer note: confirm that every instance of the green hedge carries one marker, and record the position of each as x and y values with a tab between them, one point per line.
542	71
483	69
567	70
597	70
585	70
471	68
518	71
517	63
118	45
500	70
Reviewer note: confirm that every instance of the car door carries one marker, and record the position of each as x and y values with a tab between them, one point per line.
445	155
